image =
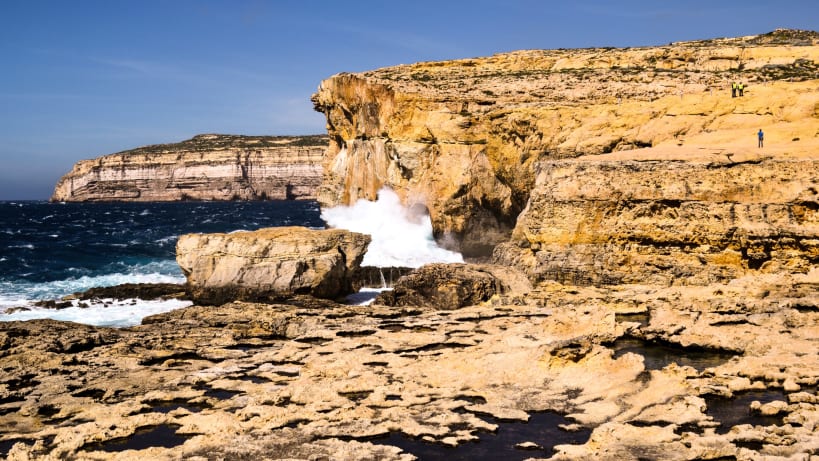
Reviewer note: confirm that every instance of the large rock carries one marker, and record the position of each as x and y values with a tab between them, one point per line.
451	286
465	137
206	167
270	263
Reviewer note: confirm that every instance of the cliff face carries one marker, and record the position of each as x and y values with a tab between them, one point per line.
206	167
465	137
695	217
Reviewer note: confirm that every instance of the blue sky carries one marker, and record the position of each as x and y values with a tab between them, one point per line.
85	78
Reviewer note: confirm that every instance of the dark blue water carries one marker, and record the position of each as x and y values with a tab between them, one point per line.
49	250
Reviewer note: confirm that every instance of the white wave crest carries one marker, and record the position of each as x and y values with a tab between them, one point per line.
25	293
108	312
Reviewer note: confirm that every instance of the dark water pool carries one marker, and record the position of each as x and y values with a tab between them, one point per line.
734	411
541	429
156	436
658	355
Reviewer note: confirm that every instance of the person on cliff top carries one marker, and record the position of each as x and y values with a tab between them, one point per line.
734	90
761	136
741	88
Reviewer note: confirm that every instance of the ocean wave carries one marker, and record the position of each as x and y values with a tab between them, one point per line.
17	292
106	312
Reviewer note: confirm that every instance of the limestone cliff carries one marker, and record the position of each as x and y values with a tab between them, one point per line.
467	138
206	167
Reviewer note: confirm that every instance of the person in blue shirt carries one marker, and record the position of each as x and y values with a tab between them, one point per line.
761	136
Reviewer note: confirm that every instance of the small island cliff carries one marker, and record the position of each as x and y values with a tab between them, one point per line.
205	167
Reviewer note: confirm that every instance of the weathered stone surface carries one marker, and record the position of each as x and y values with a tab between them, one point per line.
690	217
465	137
270	263
451	286
206	167
268	381
142	291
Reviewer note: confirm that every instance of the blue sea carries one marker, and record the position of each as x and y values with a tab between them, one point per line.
50	250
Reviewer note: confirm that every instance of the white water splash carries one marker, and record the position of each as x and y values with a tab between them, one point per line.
400	236
116	313
105	312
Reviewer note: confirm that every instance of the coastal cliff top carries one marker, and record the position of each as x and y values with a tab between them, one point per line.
212	142
572	76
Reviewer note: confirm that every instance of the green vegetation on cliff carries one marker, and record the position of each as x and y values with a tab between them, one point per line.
213	142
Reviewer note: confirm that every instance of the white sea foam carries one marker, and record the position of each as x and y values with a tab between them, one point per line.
167	239
25	293
108	312
400	236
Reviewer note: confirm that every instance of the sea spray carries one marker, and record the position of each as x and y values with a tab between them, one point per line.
401	237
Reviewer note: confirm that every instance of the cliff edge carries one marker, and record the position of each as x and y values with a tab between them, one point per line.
468	138
205	167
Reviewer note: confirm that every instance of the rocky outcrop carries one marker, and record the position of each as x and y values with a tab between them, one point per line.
452	286
465	137
691	217
270	264
206	167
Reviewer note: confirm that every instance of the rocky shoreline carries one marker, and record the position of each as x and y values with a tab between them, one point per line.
652	292
312	379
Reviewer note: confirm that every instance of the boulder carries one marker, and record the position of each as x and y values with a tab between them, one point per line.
270	263
451	286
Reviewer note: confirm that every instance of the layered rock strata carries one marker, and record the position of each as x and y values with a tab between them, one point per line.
206	167
465	137
270	263
691	217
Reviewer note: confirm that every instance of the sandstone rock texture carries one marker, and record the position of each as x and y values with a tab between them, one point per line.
270	263
466	138
206	167
451	286
693	216
326	381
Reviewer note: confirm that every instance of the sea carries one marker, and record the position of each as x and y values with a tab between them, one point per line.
52	250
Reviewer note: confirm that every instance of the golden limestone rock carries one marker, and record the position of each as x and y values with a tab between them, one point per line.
206	167
270	263
467	138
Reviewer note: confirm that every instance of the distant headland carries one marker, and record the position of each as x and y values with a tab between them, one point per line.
205	167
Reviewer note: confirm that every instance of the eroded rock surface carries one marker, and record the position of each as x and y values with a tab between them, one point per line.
272	381
451	286
645	219
270	263
693	217
206	167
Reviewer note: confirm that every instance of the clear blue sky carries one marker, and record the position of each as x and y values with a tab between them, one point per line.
85	78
